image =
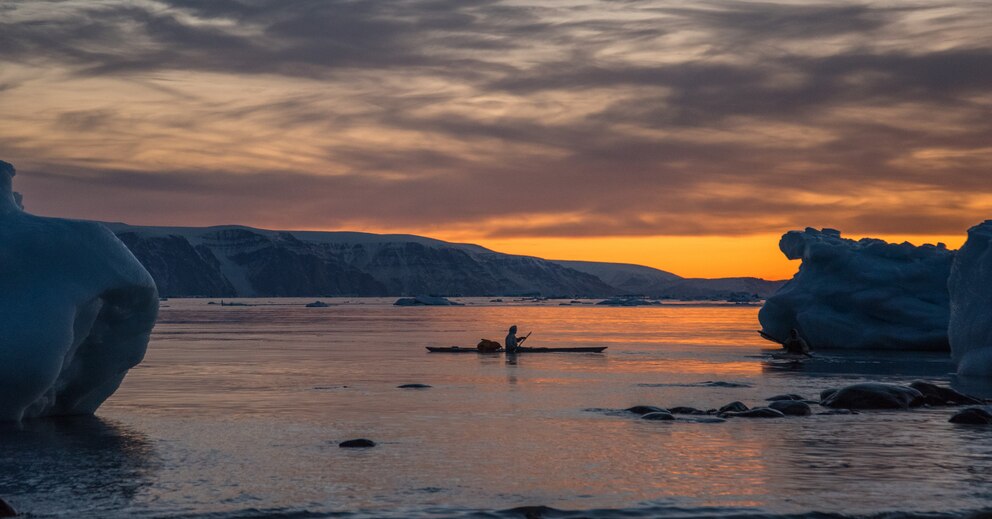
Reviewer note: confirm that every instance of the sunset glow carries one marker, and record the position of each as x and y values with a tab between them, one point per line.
678	135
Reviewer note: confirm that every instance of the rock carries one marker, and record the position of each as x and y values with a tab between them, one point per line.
936	395
791	407
973	416
657	416
733	407
425	301
686	410
414	386
317	304
360	443
790	396
757	412
645	409
865	294
970	328
6	510
872	396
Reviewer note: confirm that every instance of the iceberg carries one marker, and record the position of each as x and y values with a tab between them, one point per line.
970	328
76	311
866	294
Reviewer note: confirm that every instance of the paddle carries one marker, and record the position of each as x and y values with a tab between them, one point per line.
524	339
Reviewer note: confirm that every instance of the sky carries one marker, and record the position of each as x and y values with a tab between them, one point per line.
685	135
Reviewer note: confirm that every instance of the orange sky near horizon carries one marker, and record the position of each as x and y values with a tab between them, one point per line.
687	256
686	136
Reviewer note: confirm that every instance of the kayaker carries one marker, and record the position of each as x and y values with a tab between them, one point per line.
795	344
512	342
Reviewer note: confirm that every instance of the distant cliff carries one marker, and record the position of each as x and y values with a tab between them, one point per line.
236	261
232	261
646	281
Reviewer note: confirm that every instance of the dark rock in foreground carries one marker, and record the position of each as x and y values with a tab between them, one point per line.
757	412
6	510
360	443
645	409
973	416
317	304
686	410
414	386
791	407
936	395
790	396
871	396
733	407
657	416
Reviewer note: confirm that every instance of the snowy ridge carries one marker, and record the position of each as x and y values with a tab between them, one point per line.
242	261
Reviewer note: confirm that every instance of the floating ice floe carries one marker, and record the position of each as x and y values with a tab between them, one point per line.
970	285
864	294
76	310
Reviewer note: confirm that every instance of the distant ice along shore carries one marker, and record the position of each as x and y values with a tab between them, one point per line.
76	310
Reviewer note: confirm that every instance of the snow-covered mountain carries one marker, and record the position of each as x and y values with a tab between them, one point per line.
242	261
652	282
237	261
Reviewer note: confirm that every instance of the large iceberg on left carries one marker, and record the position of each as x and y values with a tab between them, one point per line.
865	294
76	311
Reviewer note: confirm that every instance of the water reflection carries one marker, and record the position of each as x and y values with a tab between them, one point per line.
82	460
862	363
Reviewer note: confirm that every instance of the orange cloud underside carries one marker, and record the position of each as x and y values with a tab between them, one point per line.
702	256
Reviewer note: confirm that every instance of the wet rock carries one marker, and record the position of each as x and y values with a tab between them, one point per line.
360	443
686	410
791	407
936	395
532	512
973	416
733	407
790	396
872	396
657	416
414	386
6	510
757	412
645	409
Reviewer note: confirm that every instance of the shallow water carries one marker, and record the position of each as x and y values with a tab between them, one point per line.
237	412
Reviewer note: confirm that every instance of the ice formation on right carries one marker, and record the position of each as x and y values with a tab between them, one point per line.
970	286
865	294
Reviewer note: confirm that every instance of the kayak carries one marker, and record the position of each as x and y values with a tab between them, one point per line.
458	349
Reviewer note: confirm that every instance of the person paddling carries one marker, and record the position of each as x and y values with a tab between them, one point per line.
795	344
513	342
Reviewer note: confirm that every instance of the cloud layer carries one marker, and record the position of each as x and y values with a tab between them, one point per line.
503	118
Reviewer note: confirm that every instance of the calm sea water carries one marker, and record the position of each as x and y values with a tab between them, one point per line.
237	412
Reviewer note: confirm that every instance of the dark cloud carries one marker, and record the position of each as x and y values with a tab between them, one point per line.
636	117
